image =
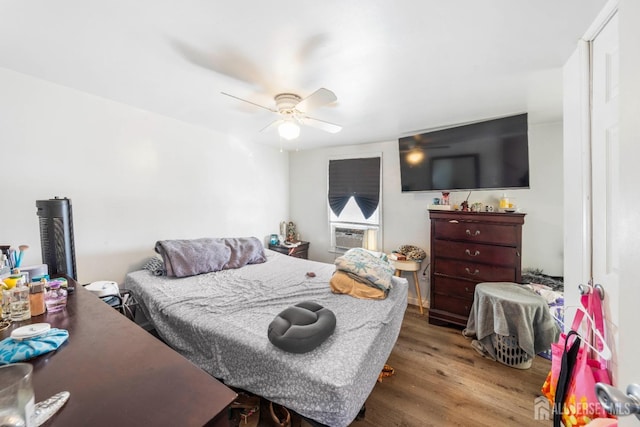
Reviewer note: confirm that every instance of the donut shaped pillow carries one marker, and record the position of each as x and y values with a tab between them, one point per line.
302	327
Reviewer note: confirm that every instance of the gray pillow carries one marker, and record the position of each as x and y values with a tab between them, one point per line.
156	266
302	327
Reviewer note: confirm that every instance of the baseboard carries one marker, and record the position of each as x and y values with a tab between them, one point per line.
414	301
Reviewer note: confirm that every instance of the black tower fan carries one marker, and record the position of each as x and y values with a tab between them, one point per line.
56	236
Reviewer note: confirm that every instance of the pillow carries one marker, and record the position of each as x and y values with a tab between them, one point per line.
302	327
155	266
184	258
412	253
244	250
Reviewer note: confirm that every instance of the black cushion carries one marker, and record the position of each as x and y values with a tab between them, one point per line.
302	327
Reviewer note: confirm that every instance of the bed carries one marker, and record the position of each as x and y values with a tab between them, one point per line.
219	321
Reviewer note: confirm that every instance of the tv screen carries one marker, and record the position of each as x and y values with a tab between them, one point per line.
481	156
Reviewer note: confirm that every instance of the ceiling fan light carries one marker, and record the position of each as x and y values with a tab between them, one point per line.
289	130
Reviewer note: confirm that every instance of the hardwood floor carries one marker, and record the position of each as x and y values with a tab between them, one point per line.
440	380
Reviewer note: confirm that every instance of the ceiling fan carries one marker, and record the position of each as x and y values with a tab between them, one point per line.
293	110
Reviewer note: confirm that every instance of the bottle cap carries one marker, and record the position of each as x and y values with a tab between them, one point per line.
30	331
36	287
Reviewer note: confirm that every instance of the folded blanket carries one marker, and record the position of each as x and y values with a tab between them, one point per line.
364	264
184	258
343	283
12	350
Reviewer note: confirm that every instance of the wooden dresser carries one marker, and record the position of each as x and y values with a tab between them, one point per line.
120	375
468	248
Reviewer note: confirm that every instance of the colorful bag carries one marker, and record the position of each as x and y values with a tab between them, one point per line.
580	405
567	368
557	351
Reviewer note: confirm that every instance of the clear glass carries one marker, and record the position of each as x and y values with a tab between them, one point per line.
20	306
17	401
55	298
6	303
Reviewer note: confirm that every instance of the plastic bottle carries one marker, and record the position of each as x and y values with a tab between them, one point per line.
36	298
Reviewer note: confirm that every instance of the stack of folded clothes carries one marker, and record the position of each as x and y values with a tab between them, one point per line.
362	274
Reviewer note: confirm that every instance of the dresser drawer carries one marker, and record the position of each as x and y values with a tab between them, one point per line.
462	289
474	252
471	231
451	304
474	271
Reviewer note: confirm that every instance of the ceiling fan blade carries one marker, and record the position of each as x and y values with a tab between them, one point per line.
249	102
271	125
321	124
317	99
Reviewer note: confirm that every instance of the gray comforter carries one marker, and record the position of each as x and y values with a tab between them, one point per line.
220	320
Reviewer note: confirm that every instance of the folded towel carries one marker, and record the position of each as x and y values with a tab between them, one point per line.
12	350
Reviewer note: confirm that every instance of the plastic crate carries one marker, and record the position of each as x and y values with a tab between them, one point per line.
509	353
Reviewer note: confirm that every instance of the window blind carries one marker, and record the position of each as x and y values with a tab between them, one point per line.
357	178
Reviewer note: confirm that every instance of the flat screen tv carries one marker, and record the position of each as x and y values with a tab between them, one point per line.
493	154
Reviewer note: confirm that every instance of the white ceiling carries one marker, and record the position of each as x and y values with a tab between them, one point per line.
397	67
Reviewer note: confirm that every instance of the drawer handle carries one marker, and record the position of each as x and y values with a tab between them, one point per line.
466	289
475	272
468	252
476	233
453	221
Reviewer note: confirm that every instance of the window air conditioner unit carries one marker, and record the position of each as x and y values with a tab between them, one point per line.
347	238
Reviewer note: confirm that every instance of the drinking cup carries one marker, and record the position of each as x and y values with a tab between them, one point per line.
17	401
6	303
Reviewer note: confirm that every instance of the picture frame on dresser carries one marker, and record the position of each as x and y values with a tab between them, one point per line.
468	248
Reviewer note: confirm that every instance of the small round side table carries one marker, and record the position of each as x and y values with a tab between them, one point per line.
414	266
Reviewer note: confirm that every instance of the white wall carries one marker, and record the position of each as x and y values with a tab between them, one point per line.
405	216
133	177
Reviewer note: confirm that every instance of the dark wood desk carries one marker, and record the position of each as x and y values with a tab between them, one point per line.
120	375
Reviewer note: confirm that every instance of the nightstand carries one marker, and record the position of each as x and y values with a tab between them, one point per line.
300	251
411	266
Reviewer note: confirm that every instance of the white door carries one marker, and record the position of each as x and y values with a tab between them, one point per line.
628	225
605	167
614	175
602	209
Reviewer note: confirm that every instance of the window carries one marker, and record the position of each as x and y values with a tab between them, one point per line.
354	201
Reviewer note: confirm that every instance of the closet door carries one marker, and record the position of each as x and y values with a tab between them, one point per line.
611	178
605	160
